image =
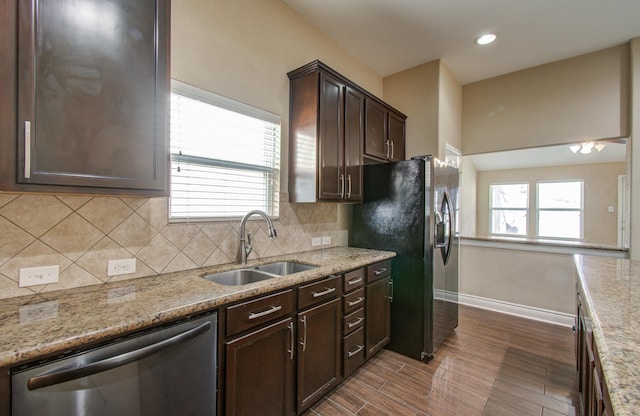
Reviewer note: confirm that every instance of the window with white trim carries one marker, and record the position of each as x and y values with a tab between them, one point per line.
560	210
509	206
225	157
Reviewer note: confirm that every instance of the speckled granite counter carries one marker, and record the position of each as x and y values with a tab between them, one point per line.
51	323
611	292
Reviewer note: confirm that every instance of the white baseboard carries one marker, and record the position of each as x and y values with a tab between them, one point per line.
544	315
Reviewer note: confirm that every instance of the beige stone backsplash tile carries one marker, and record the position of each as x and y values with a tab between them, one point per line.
12	240
158	253
81	233
36	214
105	213
72	237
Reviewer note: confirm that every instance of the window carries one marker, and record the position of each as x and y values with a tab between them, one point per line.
225	157
508	209
560	210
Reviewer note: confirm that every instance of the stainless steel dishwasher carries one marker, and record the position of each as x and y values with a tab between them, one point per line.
167	371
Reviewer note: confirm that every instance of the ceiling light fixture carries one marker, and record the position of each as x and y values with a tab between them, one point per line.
586	147
485	39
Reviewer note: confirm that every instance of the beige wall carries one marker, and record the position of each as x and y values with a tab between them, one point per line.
431	97
241	49
468	196
634	243
538	280
600	191
586	97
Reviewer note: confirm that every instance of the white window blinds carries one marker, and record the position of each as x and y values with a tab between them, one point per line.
225	157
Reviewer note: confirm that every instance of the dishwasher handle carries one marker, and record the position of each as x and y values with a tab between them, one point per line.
61	375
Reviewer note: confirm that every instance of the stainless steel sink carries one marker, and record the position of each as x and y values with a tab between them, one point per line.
239	277
257	273
284	267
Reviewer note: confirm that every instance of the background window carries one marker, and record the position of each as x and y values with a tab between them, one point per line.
560	210
509	205
225	156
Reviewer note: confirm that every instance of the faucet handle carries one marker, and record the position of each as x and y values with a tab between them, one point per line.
272	233
247	246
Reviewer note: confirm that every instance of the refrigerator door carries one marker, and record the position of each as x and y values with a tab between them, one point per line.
445	256
395	216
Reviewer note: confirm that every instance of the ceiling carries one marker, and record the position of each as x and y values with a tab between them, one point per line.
614	151
393	35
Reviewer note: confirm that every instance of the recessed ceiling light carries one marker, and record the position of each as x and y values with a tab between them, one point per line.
485	39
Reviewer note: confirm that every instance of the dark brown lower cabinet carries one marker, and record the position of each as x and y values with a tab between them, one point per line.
5	392
593	392
260	372
319	353
378	316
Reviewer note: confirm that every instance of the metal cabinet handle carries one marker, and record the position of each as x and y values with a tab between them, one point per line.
388	148
354	281
380	271
254	315
357	350
355	302
293	342
391	294
304	333
341	185
391	149
348	186
64	374
356	322
27	149
324	292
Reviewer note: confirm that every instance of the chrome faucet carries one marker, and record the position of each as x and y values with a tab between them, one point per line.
245	241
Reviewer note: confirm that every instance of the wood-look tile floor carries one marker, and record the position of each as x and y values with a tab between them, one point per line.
493	364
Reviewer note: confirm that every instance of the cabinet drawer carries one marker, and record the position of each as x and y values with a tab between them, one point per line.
378	270
353	301
353	321
353	351
354	280
259	311
321	291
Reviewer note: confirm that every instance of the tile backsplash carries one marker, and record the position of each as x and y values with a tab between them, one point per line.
81	233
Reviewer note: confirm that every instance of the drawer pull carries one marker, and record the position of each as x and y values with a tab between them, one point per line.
356	322
254	315
324	292
354	281
357	350
355	302
379	272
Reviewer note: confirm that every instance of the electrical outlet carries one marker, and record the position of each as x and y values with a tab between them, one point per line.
316	241
31	276
326	240
118	267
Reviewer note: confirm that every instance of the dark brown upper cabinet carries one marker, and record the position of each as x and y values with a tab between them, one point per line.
327	135
385	132
88	97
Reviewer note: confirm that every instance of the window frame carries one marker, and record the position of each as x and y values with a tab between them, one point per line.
271	190
526	209
580	210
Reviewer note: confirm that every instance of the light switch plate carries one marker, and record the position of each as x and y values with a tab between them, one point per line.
316	241
32	276
326	240
118	267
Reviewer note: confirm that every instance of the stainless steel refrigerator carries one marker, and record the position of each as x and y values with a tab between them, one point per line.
410	207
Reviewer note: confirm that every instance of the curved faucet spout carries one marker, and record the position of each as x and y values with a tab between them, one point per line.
245	247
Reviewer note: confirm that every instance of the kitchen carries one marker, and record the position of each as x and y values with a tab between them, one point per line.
249	56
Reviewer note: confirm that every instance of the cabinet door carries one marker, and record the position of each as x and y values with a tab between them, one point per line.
396	137
93	94
319	357
259	372
375	138
331	139
378	315
353	143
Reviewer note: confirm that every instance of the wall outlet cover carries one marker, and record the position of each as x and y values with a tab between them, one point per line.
118	267
32	276
326	240
316	241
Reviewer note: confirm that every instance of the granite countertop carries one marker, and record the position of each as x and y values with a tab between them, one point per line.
543	242
55	322
611	294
